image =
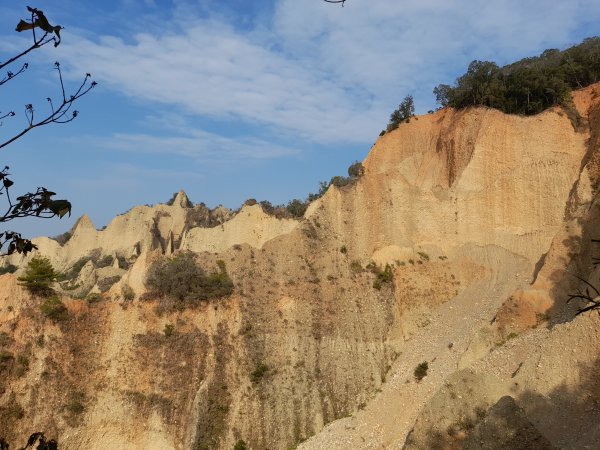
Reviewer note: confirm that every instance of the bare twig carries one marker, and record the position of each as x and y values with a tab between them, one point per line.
8	114
36	44
39	203
590	302
10	75
57	115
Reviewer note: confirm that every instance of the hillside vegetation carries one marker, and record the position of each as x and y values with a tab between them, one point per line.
528	86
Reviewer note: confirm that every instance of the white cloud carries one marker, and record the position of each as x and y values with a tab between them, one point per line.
319	72
211	71
198	145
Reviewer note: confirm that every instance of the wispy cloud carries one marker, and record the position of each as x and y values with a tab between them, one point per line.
211	71
318	72
199	145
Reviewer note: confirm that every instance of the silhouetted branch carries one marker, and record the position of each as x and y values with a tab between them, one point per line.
36	44
38	20
36	204
591	303
39	203
8	114
57	115
335	1
10	75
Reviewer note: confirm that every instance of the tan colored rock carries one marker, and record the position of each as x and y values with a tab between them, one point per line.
250	226
453	177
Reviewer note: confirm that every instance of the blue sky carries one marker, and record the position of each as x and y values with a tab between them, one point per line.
239	99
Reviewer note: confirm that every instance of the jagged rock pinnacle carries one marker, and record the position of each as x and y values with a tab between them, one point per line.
181	199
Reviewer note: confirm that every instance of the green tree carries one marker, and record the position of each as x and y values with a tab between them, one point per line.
528	86
39	276
405	111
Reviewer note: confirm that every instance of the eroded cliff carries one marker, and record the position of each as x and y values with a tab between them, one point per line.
462	206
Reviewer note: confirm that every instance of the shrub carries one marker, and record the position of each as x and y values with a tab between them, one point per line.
296	207
356	170
391	127
5	339
343	249
386	275
355	266
169	329
62	239
105	261
76	403
421	371
381	276
172	199
93	298
123	263
76	268
240	445
180	278
259	371
54	309
10	268
73	272
323	186
339	181
6	356
267	207
423	256
21	365
39	276
106	283
127	293
13	410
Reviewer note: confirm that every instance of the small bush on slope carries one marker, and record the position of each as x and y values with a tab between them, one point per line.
180	278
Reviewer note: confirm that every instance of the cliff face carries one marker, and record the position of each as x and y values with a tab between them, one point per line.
473	176
463	205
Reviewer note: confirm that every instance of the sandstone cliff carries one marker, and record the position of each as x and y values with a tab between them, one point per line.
480	215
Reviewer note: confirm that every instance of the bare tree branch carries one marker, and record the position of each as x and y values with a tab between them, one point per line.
39	203
10	75
37	44
56	115
591	303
